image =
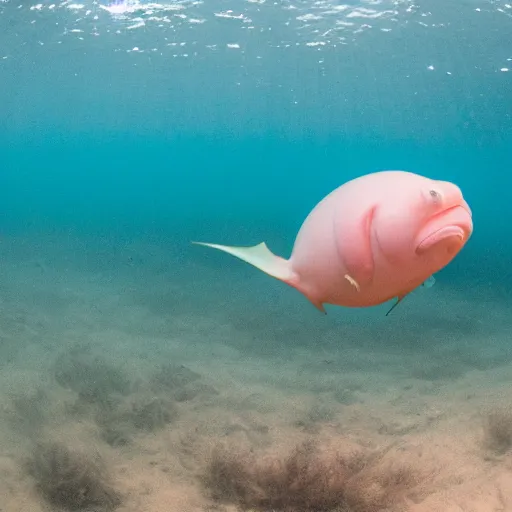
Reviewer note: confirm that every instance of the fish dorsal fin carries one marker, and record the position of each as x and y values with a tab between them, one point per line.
260	257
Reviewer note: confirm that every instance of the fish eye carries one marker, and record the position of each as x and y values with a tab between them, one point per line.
435	195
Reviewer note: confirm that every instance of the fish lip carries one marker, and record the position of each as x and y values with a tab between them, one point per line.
460	232
464	206
446	232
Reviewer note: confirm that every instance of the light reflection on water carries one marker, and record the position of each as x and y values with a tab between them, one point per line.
370	65
289	22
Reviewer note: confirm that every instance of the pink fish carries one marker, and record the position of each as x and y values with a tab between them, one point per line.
372	239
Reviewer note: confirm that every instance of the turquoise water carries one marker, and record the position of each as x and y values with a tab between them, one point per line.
128	130
187	127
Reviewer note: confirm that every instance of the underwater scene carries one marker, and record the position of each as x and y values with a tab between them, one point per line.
353	350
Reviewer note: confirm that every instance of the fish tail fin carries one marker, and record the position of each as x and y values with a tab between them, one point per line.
261	257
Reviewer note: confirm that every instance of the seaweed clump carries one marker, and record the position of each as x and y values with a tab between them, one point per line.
307	481
143	414
153	414
28	412
70	480
180	382
498	431
93	379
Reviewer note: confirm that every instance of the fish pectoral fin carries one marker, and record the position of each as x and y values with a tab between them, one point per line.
428	283
398	300
261	257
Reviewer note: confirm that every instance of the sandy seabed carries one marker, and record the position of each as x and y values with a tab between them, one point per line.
134	378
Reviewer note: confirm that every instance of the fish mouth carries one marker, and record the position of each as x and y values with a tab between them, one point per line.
454	234
451	228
